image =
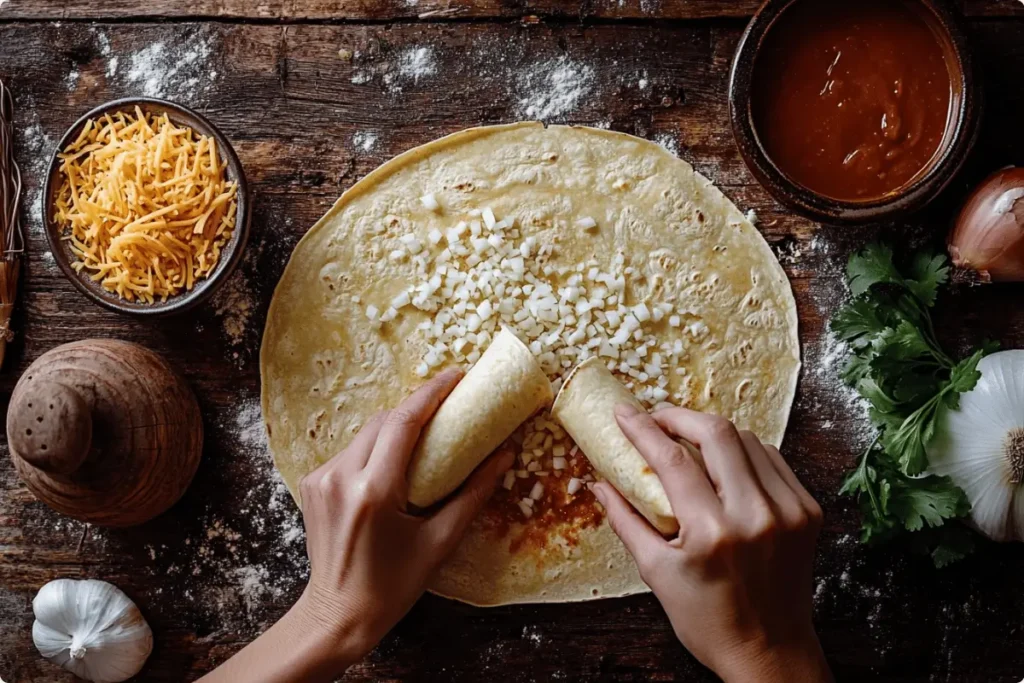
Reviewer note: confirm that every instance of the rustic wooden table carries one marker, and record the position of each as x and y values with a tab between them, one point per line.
314	94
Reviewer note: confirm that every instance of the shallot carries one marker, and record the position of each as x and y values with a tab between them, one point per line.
989	234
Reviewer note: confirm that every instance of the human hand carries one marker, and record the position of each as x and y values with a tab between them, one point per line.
736	582
370	559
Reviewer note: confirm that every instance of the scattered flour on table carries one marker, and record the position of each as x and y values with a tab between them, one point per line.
825	360
669	141
71	80
33	146
416	63
364	140
533	635
552	89
411	66
234	305
236	569
178	67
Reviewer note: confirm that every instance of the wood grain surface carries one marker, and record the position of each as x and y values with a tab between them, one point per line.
430	10
314	94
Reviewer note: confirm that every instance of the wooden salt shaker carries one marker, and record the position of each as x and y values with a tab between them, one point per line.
105	431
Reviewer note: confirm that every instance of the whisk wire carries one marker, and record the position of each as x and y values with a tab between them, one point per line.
13	239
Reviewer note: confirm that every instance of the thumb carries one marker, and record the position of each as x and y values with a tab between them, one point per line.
448	525
642	541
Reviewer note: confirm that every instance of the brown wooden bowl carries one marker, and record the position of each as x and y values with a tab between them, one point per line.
961	133
231	255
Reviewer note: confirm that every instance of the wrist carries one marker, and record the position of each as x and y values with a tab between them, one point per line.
331	637
801	660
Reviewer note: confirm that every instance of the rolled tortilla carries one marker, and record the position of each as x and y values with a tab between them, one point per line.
585	407
499	393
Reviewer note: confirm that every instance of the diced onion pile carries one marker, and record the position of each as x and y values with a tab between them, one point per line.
481	274
145	205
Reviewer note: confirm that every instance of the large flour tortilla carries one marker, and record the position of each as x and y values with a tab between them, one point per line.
326	371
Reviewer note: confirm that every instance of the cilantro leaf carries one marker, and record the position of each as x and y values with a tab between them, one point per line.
906	444
902	343
928	501
927	273
858	322
954	544
870	267
965	375
876	396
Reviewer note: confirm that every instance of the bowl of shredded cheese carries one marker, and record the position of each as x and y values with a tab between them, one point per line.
146	207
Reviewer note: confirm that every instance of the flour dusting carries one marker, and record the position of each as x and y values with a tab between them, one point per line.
235	570
552	89
33	148
234	305
669	141
411	66
416	63
71	80
364	140
179	68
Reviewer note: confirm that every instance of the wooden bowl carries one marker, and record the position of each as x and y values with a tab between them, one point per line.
232	253
960	137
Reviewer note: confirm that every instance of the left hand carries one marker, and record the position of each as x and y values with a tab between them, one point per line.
371	560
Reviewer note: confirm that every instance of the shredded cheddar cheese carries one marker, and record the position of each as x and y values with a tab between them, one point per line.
145	205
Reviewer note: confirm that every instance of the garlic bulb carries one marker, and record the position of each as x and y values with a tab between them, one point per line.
91	629
981	447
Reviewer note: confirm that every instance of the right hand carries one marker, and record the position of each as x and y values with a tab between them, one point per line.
736	583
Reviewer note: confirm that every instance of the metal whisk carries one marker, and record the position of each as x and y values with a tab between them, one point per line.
13	238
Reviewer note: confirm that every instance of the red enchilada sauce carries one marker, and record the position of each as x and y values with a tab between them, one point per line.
852	98
557	512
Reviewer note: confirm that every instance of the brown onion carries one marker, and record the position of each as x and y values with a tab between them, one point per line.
989	233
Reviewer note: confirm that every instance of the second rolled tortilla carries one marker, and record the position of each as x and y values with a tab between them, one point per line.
499	393
585	407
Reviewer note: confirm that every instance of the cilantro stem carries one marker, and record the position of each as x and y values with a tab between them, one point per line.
862	469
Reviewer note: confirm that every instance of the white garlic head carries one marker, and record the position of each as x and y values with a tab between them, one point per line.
91	629
980	446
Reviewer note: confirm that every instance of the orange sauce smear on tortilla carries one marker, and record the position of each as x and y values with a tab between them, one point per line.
556	513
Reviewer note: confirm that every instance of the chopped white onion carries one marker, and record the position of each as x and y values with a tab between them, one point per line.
429	202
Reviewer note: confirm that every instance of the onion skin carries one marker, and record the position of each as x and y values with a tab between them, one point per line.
989	233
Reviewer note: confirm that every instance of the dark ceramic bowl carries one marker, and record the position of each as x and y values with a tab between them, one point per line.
231	254
960	136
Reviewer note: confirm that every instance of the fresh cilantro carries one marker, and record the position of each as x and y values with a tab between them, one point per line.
899	367
870	267
928	272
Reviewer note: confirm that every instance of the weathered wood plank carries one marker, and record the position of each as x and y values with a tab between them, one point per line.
406	10
308	123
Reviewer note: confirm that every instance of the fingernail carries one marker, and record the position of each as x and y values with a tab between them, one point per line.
600	494
626	410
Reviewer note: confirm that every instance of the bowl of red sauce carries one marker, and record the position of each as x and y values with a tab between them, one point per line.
854	112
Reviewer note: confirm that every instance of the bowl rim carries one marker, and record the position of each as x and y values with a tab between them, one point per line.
231	254
914	196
